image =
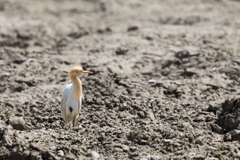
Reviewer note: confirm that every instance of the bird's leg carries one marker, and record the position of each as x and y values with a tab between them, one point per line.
73	122
69	126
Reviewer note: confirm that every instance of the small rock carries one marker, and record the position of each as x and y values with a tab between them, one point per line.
227	137
182	54
191	154
149	156
118	149
7	140
132	28
212	148
199	118
94	155
61	153
151	81
167	140
53	147
17	123
29	60
35	155
183	111
125	148
133	148
40	125
6	73
25	154
121	51
70	156
213	107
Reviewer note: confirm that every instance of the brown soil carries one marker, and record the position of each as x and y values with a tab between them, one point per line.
165	83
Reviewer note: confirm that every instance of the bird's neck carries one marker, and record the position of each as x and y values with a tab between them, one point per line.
77	86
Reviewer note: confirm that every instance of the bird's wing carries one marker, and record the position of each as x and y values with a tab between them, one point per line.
63	101
79	104
63	108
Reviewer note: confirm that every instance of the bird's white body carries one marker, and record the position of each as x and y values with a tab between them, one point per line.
70	103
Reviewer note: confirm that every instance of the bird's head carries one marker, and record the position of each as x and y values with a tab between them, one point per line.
77	71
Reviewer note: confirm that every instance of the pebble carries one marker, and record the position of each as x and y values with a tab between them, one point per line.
94	155
212	148
149	156
133	148
124	104
191	154
151	81
183	111
46	117
61	153
167	140
17	123
29	60
125	148
79	127
83	139
218	113
1	127
6	73
53	147
193	132
55	123
174	127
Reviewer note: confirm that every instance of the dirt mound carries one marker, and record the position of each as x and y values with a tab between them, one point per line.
228	119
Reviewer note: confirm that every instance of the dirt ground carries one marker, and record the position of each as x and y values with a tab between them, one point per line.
165	82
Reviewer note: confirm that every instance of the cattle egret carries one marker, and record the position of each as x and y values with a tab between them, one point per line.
72	96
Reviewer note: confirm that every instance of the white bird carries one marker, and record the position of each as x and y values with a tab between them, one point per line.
72	96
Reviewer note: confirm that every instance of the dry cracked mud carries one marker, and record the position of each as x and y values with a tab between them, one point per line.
165	82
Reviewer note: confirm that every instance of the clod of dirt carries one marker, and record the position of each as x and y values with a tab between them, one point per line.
182	54
132	28
94	155
229	118
121	51
104	30
61	153
213	108
17	123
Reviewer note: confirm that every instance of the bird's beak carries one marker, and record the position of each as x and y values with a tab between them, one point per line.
87	72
